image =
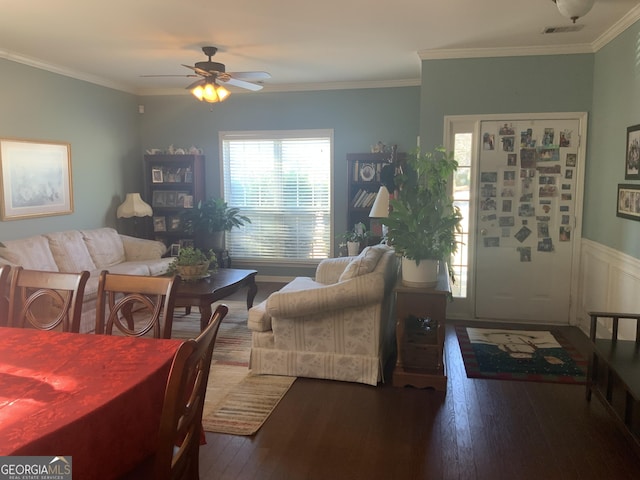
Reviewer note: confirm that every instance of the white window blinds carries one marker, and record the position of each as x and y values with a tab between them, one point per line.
281	181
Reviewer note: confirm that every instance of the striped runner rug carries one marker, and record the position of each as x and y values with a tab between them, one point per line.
237	402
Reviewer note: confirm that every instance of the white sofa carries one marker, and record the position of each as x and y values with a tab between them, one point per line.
339	326
92	250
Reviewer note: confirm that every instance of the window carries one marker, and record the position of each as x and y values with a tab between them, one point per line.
463	143
281	181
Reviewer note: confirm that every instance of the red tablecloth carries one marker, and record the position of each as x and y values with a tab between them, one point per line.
95	398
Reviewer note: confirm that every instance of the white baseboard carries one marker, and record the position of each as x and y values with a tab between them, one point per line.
609	281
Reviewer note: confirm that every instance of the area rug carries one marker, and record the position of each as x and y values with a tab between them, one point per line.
514	354
236	402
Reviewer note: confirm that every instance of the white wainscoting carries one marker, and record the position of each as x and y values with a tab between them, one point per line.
609	281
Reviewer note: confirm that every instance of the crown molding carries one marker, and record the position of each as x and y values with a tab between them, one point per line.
617	28
49	67
452	53
298	87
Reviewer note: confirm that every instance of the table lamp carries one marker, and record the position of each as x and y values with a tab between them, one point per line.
134	207
380	209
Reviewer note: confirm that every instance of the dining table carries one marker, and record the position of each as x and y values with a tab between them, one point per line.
94	399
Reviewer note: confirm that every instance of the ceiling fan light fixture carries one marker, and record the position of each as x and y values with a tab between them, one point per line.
198	92
210	92
574	9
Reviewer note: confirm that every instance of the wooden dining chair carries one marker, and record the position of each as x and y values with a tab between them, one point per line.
46	300
135	305
179	439
4	295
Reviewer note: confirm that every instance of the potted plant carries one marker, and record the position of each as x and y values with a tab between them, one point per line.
209	221
192	263
355	238
423	220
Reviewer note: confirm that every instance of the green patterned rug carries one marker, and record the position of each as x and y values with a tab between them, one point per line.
519	354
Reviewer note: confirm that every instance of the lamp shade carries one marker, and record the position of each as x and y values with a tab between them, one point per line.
134	206
380	208
574	9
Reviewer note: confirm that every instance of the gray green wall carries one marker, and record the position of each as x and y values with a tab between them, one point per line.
555	83
359	118
616	106
102	127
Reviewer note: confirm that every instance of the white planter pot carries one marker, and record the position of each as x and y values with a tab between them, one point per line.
353	248
424	275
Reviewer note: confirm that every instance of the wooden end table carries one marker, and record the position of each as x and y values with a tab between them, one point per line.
222	283
421	357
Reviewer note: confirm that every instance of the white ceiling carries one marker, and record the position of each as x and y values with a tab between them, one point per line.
303	44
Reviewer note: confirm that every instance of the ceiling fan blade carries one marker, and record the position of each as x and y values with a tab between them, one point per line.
199	71
242	84
187	75
251	76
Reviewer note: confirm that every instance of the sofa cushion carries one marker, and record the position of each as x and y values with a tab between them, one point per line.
31	253
105	246
364	263
130	268
70	252
259	320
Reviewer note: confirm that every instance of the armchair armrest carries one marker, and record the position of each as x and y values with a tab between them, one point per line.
363	290
136	249
330	269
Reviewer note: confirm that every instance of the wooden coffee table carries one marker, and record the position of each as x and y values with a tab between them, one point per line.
222	283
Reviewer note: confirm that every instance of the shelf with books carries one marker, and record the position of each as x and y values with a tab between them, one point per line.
365	178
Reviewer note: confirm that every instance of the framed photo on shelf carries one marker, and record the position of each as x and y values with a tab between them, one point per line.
175	249
628	201
367	172
156	175
170	199
186	242
632	159
173	223
35	178
158	199
159	224
180	199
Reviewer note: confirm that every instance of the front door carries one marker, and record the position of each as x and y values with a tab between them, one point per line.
528	201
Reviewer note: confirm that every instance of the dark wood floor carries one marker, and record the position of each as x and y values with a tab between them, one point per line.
479	429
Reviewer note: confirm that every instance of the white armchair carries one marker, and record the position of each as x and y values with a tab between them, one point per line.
337	326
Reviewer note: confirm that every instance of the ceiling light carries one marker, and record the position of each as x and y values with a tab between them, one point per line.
574	9
210	91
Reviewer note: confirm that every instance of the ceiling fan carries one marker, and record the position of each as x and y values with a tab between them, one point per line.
208	88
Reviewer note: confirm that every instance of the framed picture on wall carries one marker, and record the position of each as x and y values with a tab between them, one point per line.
36	178
628	201
632	160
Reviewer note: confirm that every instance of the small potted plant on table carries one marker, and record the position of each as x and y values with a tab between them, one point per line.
193	264
355	238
